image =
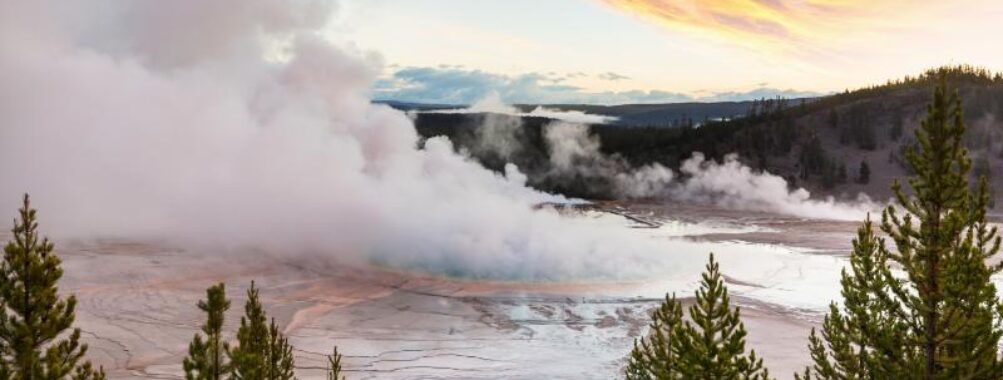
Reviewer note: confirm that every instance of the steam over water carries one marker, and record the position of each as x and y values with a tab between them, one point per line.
235	124
574	154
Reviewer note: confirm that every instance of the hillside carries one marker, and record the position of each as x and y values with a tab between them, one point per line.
659	115
810	143
632	115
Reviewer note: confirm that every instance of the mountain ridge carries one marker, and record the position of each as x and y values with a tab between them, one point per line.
815	143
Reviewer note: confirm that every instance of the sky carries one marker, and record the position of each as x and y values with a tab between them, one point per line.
646	51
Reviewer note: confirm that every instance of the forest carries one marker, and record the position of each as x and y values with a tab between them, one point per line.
836	144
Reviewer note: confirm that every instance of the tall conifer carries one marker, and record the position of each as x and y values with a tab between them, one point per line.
263	353
864	173
334	366
936	315
248	358
715	348
279	355
711	345
35	335
657	356
206	360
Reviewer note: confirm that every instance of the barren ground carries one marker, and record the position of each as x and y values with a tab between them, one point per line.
137	309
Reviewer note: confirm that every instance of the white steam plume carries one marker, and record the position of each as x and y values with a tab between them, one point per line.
733	185
573	153
231	123
730	184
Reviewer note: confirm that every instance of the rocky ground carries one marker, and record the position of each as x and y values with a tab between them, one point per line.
137	310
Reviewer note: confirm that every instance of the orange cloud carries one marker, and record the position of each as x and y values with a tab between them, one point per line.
783	24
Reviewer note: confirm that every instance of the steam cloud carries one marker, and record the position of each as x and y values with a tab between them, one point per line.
232	124
732	185
575	154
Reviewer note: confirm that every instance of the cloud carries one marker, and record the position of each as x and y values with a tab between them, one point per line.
129	29
611	76
789	25
459	86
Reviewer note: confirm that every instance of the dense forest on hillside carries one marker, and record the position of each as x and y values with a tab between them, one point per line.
840	144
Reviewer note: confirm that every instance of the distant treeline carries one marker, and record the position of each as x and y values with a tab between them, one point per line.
816	142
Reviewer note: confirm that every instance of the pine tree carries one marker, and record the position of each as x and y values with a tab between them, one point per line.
864	174
248	358
938	316
86	371
657	357
715	347
861	338
710	346
637	365
206	359
262	352
813	159
280	355
334	366
33	318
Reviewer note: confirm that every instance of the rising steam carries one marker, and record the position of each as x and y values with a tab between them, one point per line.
574	154
234	124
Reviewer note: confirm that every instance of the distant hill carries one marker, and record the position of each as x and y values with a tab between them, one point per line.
817	143
812	143
635	115
659	115
412	106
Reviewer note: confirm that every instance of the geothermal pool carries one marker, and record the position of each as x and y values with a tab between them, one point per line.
136	301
